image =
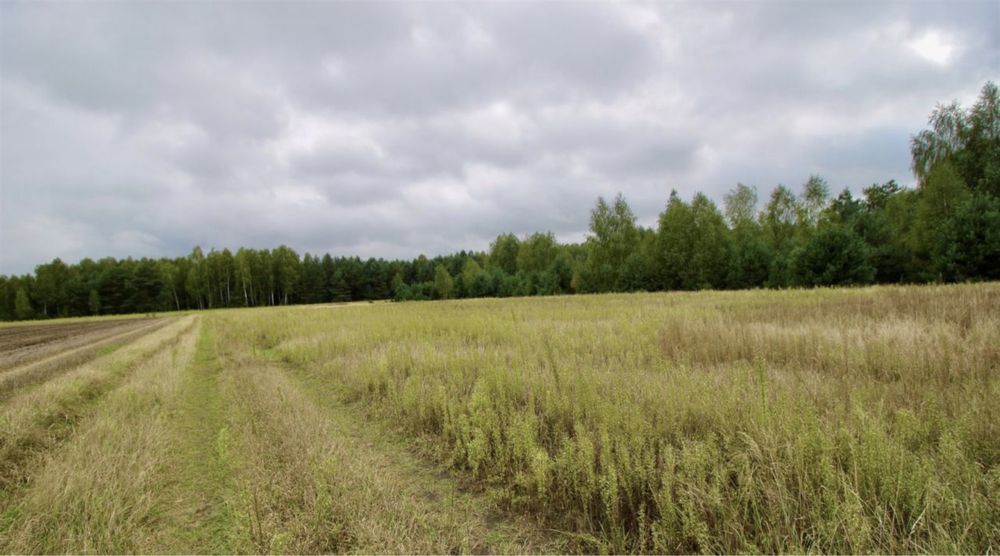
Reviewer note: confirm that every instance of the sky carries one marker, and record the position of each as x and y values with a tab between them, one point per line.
391	129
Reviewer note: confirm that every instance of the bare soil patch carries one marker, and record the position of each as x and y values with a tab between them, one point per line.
21	345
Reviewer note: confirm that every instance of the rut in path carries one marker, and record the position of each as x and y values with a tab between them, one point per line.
203	520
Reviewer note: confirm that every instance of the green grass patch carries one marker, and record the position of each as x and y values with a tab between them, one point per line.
204	455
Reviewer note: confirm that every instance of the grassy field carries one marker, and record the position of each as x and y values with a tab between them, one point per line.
863	420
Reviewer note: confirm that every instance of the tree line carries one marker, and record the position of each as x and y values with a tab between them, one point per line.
945	229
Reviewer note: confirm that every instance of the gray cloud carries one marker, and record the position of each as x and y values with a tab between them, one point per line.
391	129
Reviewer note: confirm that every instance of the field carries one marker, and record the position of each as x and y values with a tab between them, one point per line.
837	420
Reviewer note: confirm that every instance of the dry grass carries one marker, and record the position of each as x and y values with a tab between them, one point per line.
311	481
831	420
101	492
859	420
42	416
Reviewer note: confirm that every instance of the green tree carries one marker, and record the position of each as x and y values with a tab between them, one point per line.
814	199
340	291
168	277
970	246
94	302
50	283
750	255
711	248
833	256
940	193
196	282
396	283
286	267
472	273
968	140
614	236
443	282
243	267
504	251
750	263
779	221
675	245
22	305
312	286
537	252
741	207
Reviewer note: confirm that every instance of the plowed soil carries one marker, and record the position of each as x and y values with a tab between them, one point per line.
21	345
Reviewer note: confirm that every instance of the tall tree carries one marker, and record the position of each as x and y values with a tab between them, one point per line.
674	244
503	253
443	282
286	264
741	206
22	305
970	240
969	140
50	283
537	252
779	220
814	198
750	257
711	248
613	237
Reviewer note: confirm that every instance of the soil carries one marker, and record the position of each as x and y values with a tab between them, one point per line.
21	345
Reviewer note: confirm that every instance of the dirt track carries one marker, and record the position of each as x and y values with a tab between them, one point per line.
20	345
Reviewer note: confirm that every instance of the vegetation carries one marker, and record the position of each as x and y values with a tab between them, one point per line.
947	229
825	420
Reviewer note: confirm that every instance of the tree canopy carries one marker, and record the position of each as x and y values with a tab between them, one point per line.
947	228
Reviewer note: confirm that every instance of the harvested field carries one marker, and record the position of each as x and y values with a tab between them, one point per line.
40	355
24	344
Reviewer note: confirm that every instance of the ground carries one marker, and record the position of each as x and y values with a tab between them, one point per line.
843	420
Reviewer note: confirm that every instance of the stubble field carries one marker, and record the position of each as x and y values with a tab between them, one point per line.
842	420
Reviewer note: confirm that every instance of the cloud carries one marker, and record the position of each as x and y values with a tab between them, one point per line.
393	129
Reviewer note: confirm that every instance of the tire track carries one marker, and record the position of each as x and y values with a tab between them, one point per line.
203	520
314	479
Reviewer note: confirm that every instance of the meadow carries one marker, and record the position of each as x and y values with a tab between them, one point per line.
826	420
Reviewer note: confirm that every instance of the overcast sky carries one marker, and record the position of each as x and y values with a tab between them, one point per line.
391	129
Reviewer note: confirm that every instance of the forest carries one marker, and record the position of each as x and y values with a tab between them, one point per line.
946	229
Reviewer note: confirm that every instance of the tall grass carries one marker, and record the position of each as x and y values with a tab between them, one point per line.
309	483
829	420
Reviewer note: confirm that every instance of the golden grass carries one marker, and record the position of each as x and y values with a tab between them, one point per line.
830	420
101	493
311	482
